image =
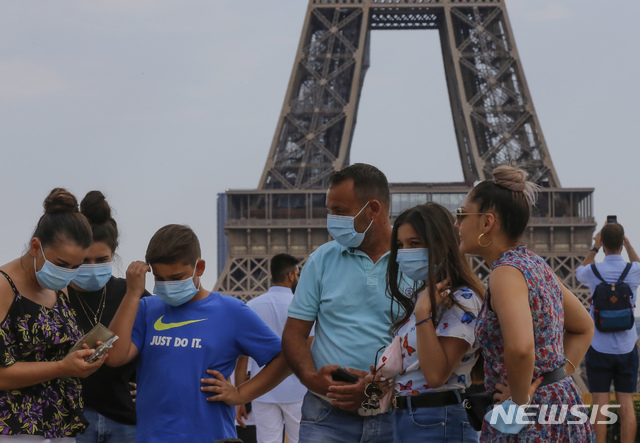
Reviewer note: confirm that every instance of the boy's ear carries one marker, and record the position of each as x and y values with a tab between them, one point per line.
200	267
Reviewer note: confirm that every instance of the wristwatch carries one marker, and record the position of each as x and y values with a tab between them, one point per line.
594	249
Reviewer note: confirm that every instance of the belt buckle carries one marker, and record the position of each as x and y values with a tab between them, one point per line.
394	402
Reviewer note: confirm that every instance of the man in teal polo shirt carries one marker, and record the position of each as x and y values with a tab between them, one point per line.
342	289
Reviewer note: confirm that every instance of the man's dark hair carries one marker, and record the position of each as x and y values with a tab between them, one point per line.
173	244
612	236
281	265
369	183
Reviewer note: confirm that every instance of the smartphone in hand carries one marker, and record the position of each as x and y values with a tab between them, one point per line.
342	374
612	219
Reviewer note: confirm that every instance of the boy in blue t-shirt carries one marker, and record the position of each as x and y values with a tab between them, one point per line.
188	340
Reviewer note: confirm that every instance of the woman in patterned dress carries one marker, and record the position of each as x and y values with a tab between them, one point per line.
39	385
530	323
435	326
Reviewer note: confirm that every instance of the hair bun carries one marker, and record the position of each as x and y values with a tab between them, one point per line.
510	178
60	200
515	180
94	206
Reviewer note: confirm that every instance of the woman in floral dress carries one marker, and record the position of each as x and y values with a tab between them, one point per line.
39	385
530	323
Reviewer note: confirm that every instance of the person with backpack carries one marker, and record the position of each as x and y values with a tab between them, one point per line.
613	355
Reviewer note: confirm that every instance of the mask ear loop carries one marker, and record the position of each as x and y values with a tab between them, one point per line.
194	274
365	205
35	267
354	217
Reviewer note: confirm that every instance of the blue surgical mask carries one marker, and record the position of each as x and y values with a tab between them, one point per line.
93	277
503	418
414	263
51	276
178	292
342	229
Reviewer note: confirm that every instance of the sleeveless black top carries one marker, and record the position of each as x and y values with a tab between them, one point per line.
34	333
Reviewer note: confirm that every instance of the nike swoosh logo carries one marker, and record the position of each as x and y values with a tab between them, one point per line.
159	326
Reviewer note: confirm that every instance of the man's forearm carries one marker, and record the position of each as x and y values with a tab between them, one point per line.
589	259
298	356
633	256
295	347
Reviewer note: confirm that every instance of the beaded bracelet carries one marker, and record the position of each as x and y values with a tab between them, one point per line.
423	321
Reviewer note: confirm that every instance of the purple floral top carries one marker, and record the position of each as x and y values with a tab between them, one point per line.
32	333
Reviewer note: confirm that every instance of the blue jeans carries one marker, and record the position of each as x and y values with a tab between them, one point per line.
444	424
323	423
102	429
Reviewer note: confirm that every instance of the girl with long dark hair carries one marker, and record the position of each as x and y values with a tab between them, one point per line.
435	325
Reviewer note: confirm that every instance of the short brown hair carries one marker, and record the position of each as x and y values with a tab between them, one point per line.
173	244
612	236
369	182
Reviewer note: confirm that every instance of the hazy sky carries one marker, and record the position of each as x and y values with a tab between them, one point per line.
164	104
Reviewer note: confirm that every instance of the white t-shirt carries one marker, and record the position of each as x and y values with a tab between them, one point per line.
272	308
454	322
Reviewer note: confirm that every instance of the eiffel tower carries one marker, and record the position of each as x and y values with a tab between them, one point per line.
494	120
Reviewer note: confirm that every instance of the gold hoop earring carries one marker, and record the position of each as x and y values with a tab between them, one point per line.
480	244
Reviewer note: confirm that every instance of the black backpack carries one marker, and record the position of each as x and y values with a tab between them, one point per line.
612	307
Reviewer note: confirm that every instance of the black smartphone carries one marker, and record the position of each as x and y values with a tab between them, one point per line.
612	219
342	374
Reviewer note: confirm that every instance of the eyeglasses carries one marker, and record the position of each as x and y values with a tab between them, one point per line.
373	391
460	214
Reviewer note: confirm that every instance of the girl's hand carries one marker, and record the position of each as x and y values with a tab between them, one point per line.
423	305
504	392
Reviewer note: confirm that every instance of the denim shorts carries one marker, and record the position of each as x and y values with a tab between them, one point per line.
603	369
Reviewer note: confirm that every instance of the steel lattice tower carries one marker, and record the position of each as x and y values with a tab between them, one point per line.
494	120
